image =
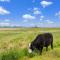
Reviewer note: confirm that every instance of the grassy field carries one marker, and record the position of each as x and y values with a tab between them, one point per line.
14	44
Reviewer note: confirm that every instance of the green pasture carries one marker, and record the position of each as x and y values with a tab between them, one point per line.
14	44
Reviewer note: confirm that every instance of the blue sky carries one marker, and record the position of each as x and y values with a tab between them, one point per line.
30	13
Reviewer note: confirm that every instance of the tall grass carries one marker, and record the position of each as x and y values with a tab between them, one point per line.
14	44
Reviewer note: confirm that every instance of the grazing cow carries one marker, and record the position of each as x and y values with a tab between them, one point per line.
42	40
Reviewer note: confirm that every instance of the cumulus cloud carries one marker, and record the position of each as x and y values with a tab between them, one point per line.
46	3
41	17
46	23
4	0
35	8
36	11
7	20
49	21
4	24
3	11
58	14
28	16
25	21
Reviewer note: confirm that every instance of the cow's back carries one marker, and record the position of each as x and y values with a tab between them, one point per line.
43	39
48	38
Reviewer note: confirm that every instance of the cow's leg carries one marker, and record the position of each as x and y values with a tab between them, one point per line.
51	45
41	50
46	48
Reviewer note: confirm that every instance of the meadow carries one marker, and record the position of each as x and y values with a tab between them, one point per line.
14	44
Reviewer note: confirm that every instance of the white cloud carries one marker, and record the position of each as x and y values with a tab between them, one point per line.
58	14
28	16
4	24
35	8
41	17
45	3
6	20
25	21
36	11
3	11
32	24
49	21
5	0
46	23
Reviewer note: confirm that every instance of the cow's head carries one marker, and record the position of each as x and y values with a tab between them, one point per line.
30	49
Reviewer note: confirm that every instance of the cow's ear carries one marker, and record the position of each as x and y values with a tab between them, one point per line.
29	44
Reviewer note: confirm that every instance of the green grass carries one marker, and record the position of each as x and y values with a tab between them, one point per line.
14	44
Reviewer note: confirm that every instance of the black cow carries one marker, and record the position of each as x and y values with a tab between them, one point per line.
42	40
